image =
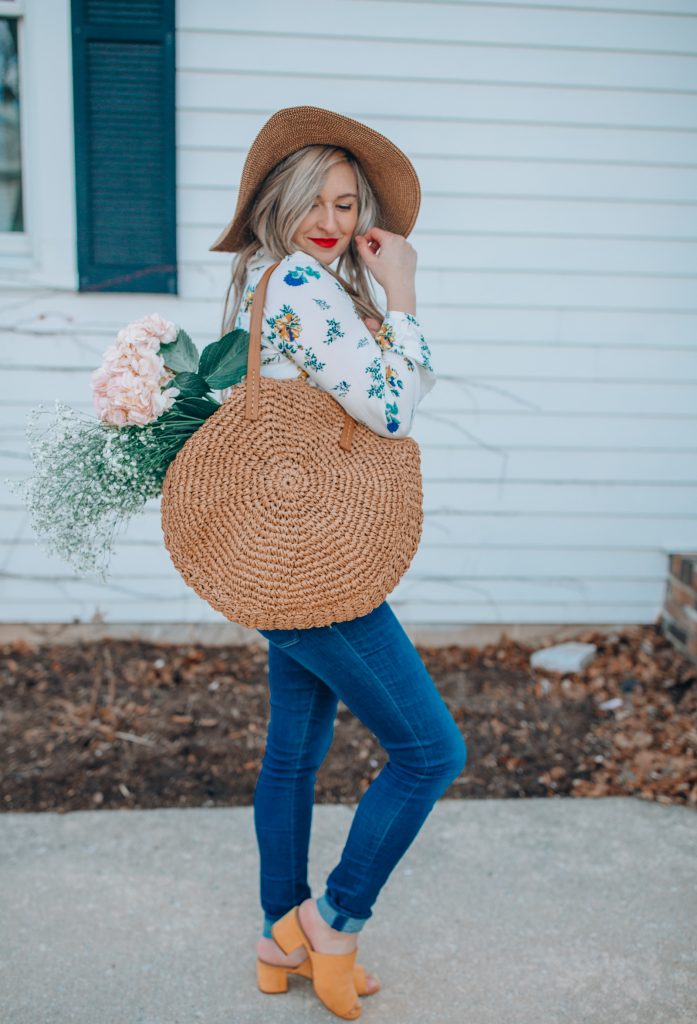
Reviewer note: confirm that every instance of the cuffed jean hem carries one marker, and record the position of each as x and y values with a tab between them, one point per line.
336	918
268	921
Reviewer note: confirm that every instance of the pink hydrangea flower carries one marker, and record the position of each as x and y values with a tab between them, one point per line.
148	333
127	389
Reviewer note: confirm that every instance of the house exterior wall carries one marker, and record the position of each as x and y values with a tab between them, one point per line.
556	146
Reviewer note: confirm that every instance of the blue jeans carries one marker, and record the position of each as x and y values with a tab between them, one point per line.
373	667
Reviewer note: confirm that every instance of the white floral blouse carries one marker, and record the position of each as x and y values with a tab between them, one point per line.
310	323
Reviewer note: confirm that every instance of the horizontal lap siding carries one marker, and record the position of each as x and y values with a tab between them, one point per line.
556	145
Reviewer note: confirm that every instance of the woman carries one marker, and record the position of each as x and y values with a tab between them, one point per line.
309	201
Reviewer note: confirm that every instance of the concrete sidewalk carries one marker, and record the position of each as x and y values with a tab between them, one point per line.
529	911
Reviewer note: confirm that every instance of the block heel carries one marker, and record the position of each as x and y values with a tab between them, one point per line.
273	978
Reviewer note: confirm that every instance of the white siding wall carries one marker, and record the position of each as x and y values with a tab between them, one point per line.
557	149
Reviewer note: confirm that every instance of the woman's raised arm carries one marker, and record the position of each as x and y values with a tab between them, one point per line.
309	316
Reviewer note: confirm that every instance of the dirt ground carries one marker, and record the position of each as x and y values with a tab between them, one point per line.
121	724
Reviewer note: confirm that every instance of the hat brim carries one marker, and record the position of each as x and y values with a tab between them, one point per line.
390	172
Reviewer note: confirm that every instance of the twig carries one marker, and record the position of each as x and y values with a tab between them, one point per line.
132	738
96	686
111	676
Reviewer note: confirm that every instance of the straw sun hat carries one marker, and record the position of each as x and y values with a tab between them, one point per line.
388	169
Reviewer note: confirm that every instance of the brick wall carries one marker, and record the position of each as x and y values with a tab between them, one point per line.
679	612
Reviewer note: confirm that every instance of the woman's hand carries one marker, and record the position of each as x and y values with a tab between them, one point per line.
388	256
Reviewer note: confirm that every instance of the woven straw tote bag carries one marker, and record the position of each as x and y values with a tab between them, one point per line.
282	511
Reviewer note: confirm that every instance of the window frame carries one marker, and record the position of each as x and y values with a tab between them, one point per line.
44	254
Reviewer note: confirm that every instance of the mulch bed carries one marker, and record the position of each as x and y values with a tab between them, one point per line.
132	724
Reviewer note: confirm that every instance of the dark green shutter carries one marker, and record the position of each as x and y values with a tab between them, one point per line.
124	105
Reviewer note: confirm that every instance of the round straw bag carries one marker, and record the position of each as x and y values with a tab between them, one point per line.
283	512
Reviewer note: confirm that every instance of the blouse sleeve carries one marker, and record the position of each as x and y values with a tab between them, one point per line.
309	316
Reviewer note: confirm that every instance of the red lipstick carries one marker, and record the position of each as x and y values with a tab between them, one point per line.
326	243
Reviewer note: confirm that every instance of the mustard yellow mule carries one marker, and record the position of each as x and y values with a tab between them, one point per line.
274	977
336	978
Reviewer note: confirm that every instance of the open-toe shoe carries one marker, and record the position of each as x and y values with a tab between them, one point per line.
332	973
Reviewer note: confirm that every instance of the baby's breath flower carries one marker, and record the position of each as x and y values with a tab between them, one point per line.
88	479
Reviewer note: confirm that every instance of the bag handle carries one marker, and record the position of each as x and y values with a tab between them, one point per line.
252	385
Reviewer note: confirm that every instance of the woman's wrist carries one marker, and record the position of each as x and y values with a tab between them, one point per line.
402	297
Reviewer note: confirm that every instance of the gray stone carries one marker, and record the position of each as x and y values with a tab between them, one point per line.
568	657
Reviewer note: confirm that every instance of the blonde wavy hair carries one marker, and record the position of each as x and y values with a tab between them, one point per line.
281	204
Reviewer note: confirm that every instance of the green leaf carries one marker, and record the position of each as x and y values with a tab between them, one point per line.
191	385
197	408
224	362
181	354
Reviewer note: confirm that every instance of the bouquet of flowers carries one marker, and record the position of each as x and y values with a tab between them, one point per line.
150	394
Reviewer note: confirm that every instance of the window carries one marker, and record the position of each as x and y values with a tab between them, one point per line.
37	180
11	209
